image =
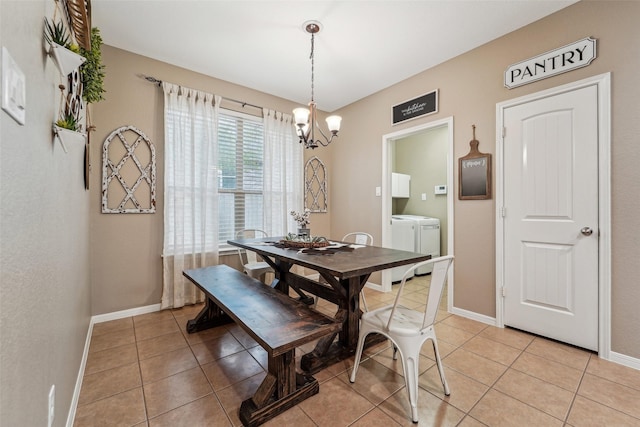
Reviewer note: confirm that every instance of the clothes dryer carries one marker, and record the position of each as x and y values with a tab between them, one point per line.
427	238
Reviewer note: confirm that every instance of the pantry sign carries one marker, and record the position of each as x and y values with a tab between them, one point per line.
570	57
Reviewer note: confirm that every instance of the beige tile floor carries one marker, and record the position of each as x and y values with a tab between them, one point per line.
147	371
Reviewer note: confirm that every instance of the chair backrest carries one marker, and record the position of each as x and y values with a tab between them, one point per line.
438	278
249	233
359	238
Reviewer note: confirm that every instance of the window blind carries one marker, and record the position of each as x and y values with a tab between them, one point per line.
241	174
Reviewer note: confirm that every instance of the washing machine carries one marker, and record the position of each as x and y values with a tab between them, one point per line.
427	238
403	237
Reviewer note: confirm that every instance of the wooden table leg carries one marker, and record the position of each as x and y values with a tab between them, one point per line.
281	389
328	350
280	282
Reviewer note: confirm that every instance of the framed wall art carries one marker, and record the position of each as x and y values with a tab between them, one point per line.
128	172
315	185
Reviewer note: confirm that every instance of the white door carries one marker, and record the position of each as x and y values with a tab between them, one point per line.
551	217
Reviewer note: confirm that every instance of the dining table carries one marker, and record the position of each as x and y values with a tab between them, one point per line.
345	269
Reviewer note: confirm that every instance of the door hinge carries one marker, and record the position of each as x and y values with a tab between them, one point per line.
504	132
503	291
503	211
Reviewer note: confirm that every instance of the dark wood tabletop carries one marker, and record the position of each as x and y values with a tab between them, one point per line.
340	264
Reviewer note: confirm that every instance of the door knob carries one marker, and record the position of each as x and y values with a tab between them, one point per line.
587	231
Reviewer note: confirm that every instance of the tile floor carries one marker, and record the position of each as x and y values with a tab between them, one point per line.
147	371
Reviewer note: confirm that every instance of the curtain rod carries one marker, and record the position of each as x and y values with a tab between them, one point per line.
153	80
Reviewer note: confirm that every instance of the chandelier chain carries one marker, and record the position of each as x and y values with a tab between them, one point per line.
306	118
312	65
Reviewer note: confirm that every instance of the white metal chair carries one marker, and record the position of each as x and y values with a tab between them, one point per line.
358	238
408	329
251	265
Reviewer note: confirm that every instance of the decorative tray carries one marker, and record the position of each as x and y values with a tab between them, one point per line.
300	244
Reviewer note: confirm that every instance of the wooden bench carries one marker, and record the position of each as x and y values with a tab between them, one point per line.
277	322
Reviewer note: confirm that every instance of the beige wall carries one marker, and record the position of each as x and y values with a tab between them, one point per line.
470	86
44	237
126	249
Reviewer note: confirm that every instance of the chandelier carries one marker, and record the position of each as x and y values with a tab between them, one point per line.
306	117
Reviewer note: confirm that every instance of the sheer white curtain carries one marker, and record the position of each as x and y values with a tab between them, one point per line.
191	190
283	173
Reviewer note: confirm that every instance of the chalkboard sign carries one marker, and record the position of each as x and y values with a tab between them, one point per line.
474	173
416	107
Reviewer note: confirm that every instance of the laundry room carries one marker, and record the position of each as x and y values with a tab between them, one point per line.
419	195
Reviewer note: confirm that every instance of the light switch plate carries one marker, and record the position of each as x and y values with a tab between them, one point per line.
13	88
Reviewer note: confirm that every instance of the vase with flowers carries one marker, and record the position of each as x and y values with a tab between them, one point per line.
303	221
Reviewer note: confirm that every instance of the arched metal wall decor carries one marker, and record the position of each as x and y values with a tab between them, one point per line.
128	172
315	185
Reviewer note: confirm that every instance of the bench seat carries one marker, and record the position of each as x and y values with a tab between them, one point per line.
274	320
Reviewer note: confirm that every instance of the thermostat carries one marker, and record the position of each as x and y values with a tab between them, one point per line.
441	189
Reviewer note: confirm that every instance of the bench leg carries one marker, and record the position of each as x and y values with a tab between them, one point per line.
210	316
281	389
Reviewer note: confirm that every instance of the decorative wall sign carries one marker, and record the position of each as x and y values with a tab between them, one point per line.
128	172
315	185
570	57
421	106
474	173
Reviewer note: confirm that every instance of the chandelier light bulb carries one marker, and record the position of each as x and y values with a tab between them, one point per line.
333	123
301	116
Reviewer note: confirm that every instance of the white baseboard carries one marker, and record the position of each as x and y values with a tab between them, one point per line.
125	313
474	316
83	363
623	359
71	416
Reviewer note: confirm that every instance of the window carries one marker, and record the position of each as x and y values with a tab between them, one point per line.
238	177
241	173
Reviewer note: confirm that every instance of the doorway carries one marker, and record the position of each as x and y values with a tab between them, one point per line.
552	220
388	144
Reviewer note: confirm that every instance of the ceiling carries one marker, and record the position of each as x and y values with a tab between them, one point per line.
364	46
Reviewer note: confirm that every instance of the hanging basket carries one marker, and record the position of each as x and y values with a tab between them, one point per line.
67	136
66	60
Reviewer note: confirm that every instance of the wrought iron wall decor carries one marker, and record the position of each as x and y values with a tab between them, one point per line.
315	185
128	172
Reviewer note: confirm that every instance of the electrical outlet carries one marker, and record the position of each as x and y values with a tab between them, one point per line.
52	405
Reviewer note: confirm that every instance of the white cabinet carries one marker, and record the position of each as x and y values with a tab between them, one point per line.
400	185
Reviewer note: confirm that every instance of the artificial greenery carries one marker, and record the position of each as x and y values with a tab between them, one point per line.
92	71
68	121
55	32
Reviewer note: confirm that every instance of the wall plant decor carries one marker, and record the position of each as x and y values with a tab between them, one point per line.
128	172
315	185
